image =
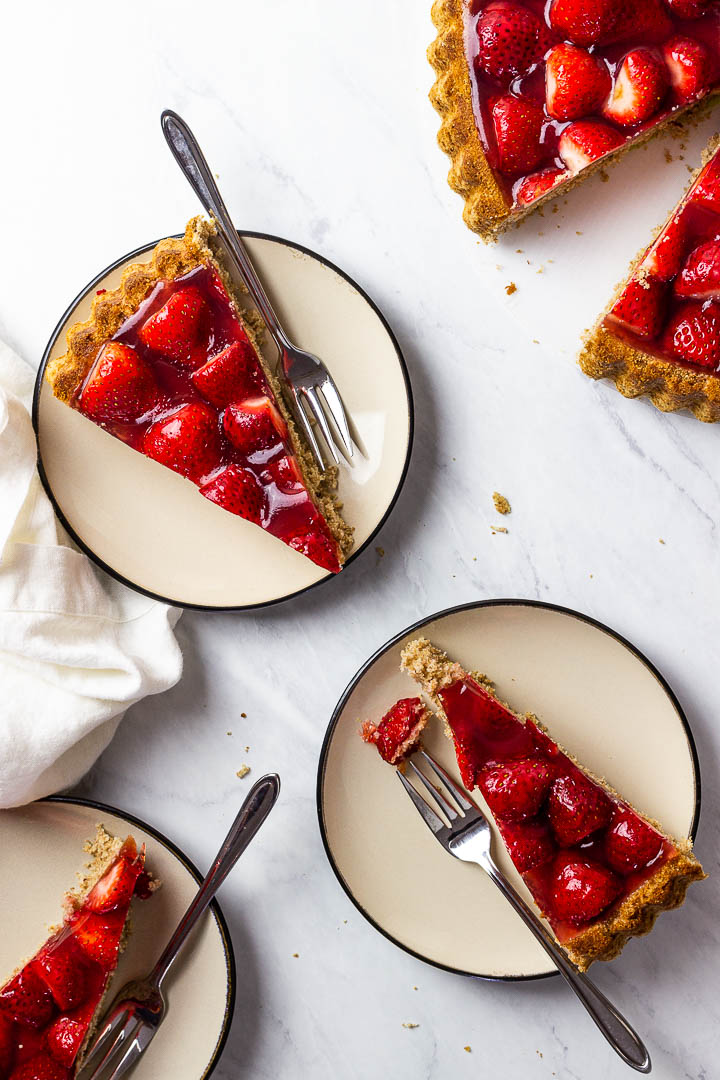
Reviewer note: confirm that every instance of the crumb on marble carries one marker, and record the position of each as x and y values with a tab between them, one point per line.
247	749
380	552
467	1049
242	772
228	732
296	955
498	529
511	288
410	1026
660	540
502	505
519	251
578	232
244	715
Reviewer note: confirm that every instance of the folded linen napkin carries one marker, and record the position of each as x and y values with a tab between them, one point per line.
76	647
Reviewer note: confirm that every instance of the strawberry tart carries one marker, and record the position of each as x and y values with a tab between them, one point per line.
399	732
660	335
534	95
49	1007
168	364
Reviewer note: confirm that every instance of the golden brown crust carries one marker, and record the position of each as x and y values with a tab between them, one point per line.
636	915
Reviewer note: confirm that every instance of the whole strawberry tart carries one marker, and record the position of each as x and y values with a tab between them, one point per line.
534	95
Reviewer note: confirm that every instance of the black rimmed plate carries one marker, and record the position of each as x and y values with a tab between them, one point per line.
150	529
42	846
600	697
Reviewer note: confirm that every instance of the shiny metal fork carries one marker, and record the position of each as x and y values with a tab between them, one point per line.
468	837
138	1010
314	393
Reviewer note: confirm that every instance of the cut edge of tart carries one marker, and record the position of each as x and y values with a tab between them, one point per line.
668	385
173	259
666	886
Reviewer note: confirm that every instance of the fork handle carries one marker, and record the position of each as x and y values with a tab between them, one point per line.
190	158
618	1032
252	814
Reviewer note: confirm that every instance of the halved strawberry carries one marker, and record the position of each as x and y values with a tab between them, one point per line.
66	1034
187	441
666	256
576	83
577	807
529	843
40	1067
254	424
630	843
285	474
690	67
319	547
237	490
27	999
640	85
232	375
7	1044
517	789
64	967
586	22
644	20
700	276
538	184
121	386
693	333
99	935
115	887
176	330
511	38
581	889
585	141
641	306
706	191
518	124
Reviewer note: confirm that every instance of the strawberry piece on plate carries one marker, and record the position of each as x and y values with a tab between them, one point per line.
318	546
518	124
398	733
237	490
576	808
517	789
641	306
585	141
230	376
511	38
529	844
667	254
700	276
581	889
576	83
630	842
121	386
187	441
254	424
27	999
640	86
64	967
538	184
690	68
177	329
693	333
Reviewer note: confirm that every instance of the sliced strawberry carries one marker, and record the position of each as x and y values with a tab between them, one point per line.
398	732
529	843
177	330
254	424
318	546
99	935
187	441
64	967
285	474
518	126
577	807
690	68
641	306
645	20
40	1067
27	999
586	22
121	386
707	188
115	887
517	789
585	141
640	85
689	9
8	1039
538	184
232	375
700	276
581	889
576	83
630	843
667	254
693	333
511	38
237	490
65	1035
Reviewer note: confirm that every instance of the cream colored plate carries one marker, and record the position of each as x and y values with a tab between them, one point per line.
598	696
43	844
152	529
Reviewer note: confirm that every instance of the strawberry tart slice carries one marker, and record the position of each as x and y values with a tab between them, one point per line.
168	364
534	95
598	870
49	1007
660	335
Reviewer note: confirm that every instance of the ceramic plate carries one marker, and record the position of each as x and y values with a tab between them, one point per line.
599	697
43	843
146	525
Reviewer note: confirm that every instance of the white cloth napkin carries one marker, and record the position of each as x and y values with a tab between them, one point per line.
76	647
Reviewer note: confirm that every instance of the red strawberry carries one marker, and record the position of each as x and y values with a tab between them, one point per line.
640	86
7	1044
99	935
689	66
187	441
641	306
517	789
64	968
585	141
236	490
581	889
693	333
529	844
177	328
586	22
511	39
538	184
254	424
667	254
630	842
689	9
577	807
27	999
576	83
646	20
232	375
518	126
700	277
66	1034
115	887
121	386
707	187
318	546
285	474
40	1067
402	723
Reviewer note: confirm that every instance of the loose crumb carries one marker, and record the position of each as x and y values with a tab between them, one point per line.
414	987
411	1025
498	529
578	232
243	771
228	732
296	955
244	715
247	749
604	176
502	505
467	1049
511	288
660	540
668	156
380	551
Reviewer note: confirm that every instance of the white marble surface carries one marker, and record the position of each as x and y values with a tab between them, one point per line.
315	117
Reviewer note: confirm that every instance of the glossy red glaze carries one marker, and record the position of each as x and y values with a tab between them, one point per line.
398	732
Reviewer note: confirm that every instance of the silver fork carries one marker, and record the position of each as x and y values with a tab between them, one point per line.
310	383
138	1010
468	837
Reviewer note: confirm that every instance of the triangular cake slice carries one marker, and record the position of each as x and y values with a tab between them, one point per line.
534	95
168	364
49	1007
598	870
660	335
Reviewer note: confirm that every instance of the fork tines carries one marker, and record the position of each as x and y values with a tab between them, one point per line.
449	798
